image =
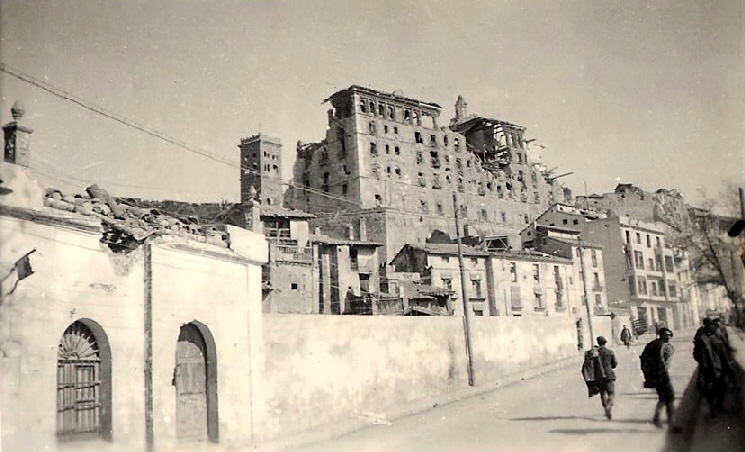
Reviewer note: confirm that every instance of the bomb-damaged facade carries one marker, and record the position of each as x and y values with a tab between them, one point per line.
388	163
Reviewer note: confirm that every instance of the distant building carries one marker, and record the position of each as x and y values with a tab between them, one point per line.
509	283
349	278
664	206
587	258
639	264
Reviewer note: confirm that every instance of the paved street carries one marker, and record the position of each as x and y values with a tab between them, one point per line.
547	413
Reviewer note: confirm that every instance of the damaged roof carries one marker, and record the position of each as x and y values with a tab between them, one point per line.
476	121
381	94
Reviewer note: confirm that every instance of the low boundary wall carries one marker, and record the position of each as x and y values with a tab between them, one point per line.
322	370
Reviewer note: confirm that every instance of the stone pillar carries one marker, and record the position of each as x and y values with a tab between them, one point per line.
17	138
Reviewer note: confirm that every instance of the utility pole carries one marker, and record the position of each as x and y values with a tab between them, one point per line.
148	326
466	326
584	289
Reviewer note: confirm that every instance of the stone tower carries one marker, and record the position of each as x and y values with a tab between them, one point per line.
261	170
461	110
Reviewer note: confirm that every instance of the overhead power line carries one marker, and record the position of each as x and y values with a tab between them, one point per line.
58	92
104	112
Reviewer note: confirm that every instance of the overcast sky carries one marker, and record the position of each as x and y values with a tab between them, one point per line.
646	92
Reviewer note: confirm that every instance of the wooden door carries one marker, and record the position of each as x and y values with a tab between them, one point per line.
191	385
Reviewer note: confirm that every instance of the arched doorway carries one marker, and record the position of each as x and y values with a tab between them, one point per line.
196	384
83	382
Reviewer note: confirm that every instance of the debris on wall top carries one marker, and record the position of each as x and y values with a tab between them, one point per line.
126	224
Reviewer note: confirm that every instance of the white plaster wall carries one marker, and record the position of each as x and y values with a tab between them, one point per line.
323	369
188	287
75	277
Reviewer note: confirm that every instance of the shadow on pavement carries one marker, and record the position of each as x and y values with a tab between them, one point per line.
554	418
584	418
587	431
699	431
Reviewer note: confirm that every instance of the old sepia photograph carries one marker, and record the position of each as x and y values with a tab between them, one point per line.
372	226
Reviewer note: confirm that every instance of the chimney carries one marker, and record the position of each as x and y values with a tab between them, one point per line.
17	138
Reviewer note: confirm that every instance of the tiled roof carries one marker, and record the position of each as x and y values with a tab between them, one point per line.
450	248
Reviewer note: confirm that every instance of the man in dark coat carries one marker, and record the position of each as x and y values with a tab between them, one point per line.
655	362
712	355
626	336
598	373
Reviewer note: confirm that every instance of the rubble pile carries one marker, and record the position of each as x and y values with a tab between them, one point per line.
127	224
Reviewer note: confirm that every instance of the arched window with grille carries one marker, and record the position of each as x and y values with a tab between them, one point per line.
83	383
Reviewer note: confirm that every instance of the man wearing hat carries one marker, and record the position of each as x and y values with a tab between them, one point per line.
655	362
608	382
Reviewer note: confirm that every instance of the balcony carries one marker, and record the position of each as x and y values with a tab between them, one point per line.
290	253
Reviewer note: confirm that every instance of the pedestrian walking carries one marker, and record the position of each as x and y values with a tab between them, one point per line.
712	355
655	363
626	336
599	375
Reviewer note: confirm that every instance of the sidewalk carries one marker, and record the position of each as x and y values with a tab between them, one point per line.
366	419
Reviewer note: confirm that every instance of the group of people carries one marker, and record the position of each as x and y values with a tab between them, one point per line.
711	350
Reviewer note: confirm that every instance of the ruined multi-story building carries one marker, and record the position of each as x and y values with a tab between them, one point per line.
388	167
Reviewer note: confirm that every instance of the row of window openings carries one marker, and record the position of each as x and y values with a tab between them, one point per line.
418	137
656	288
655	264
658	241
404	115
463	212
